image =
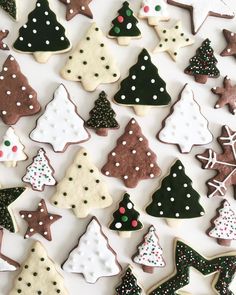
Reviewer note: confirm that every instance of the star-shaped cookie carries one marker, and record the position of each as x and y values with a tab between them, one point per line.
39	221
201	9
227	95
3	35
74	7
230	49
171	40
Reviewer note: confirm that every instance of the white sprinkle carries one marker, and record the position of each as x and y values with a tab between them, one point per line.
172	199
113	154
29	215
133	77
124	142
29	45
48	22
162	89
18	104
22	216
47	42
180	167
31	230
153	81
126	177
51	217
5	69
188	196
21	38
46	12
4	112
185	185
71	10
82	7
34	20
145	57
137	168
117	164
142	68
57	28
107	172
13	76
8	92
133	151
161	212
133	121
174	174
140	139
152	175
27	236
45	233
130	132
159	204
177	214
30	96
168	189
122	96
133	88
137	99
23	88
40	223
187	208
148	154
1	77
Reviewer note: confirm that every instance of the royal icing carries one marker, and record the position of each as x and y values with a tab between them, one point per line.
185	126
10	7
60	124
74	7
129	284
154	11
5	266
91	63
91	192
93	257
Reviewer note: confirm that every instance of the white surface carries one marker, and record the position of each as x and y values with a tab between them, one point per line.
45	78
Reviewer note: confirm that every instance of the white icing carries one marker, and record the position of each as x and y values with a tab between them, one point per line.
148	9
60	124
92	257
14	151
5	266
186	126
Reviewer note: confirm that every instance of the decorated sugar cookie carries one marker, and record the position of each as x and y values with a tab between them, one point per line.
42	35
185	126
126	218
230	49
17	97
93	257
11	149
82	189
91	63
143	88
175	199
38	273
3	35
74	7
154	11
60	125
171	40
149	253
10	7
124	26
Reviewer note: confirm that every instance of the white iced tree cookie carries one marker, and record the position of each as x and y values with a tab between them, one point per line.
93	257
60	125
154	11
38	275
11	149
91	63
150	252
39	173
185	126
82	189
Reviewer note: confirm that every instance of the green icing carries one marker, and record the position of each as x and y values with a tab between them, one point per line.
10	7
128	26
125	216
129	284
176	197
8	196
143	86
42	32
185	257
158	8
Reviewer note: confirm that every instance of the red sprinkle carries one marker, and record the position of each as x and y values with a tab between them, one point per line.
120	19
1	153
146	8
134	223
14	148
122	210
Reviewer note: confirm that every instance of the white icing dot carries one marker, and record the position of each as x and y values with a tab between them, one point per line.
12	58
142	68
21	38
133	88
4	112
46	12
137	99
174	174
122	96
133	151
51	217
130	132
137	168
148	154
145	57
27	236
228	50
180	167
40	223
161	213
62	38
29	45
140	139
1	77
23	88
151	165
34	20
5	69
25	26
129	26
47	42
129	205
29	215
133	121
13	76
45	233
177	214
187	208
22	216
31	230
185	185
18	104
168	189
152	175
162	89
153	81
201	213
133	77
57	28
38	4
126	177
117	164
118	225
172	199
113	154
30	96
124	142
159	204
188	196
48	22
41	210
71	10
8	92
107	172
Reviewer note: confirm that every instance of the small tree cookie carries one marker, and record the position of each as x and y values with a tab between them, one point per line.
74	7
11	149
102	116
175	199
143	88
150	252
39	273
40	173
17	97
42	35
93	256
125	219
10	7
185	126
154	11
91	63
132	160
82	189
224	225
60	125
124	27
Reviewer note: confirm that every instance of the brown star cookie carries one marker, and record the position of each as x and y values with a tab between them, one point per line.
3	35
75	7
227	95
39	221
230	49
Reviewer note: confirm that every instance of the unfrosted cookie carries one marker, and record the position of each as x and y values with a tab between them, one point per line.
74	7
3	35
42	35
10	7
91	63
60	125
93	257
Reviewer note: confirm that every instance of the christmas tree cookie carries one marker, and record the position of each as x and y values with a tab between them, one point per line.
11	149
154	11
60	125
39	275
175	199
91	63
149	253
185	126
129	284
40	173
126	218
224	225
74	7
102	116
132	160
3	35
82	189
10	7
17	97
124	27
6	263
143	88
93	256
42	35
203	65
